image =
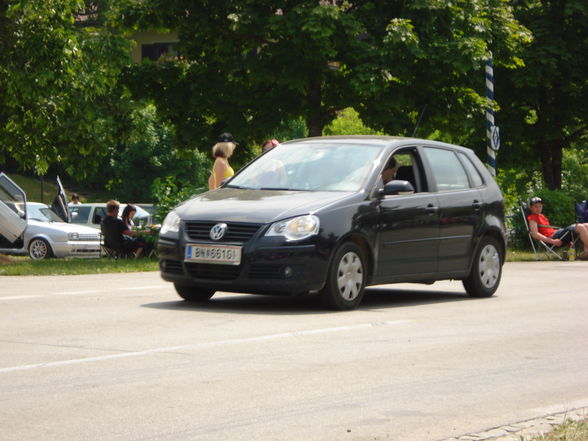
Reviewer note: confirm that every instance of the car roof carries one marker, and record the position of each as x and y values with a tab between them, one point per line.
140	210
383	141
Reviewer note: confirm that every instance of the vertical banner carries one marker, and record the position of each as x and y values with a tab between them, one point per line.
492	132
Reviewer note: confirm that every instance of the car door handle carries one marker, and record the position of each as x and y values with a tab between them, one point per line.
477	205
431	209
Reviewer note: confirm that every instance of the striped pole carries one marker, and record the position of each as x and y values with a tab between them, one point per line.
490	116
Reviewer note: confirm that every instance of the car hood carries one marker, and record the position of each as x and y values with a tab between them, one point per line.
60	227
256	206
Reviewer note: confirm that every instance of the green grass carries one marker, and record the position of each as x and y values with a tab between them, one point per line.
24	266
32	188
525	256
570	431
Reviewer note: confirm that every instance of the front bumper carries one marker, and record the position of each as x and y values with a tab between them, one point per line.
264	269
76	249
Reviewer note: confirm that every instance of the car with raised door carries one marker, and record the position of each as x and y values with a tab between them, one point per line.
41	231
316	216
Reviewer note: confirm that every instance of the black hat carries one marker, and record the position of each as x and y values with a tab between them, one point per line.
226	137
534	200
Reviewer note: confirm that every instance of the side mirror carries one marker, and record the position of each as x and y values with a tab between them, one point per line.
397	187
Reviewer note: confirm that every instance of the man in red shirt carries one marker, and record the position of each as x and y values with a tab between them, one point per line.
543	231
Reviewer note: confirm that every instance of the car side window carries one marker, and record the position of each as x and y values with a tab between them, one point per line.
447	169
477	180
99	213
408	168
11	196
80	214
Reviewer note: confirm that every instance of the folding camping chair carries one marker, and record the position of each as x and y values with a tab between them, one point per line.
540	247
117	252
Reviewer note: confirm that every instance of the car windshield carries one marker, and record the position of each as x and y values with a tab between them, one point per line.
328	166
42	213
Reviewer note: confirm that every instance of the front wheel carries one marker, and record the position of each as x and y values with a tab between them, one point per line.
486	272
346	278
194	294
39	249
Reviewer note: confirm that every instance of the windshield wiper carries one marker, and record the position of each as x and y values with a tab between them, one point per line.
276	188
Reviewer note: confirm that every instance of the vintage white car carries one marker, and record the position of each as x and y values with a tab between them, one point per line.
35	229
91	214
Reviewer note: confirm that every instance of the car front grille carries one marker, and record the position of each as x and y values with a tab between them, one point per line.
87	238
213	271
236	232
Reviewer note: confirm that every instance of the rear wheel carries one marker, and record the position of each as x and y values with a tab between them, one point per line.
486	272
39	249
346	278
194	294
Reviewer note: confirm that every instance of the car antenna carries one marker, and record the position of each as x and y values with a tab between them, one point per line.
419	121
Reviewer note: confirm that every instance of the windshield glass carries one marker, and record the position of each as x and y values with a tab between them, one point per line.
328	166
42	213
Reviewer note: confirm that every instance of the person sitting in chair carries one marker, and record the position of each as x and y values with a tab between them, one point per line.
118	236
542	230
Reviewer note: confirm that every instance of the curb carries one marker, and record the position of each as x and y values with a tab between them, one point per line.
525	430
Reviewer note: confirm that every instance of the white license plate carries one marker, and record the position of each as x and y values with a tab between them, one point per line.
223	254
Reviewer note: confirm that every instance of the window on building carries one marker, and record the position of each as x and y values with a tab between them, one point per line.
158	51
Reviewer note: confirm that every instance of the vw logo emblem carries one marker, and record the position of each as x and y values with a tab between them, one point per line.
218	231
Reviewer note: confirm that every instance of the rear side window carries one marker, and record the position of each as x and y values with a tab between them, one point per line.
79	214
447	170
477	180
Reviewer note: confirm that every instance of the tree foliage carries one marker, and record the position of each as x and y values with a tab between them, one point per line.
59	64
545	106
148	152
250	64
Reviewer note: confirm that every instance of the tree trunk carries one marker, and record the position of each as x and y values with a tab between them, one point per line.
315	120
550	153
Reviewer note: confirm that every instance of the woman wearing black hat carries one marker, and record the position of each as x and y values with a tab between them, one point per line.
221	169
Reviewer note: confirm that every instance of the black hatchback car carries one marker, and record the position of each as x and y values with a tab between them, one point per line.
315	216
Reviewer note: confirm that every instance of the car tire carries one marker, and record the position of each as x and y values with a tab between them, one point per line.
39	249
486	271
346	278
193	293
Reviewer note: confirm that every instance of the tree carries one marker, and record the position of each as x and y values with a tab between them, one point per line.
59	63
545	108
251	64
148	152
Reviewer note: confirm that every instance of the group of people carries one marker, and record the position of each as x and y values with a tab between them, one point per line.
222	151
119	233
543	231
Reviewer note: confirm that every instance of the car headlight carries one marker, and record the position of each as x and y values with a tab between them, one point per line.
297	228
73	236
171	224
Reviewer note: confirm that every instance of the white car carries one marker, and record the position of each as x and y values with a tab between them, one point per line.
35	229
91	214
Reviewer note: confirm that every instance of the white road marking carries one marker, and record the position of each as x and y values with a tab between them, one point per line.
211	344
84	292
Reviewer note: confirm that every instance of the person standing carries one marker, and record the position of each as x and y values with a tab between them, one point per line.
221	169
269	144
75	199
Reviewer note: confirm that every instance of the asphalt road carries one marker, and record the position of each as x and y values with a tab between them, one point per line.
120	357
